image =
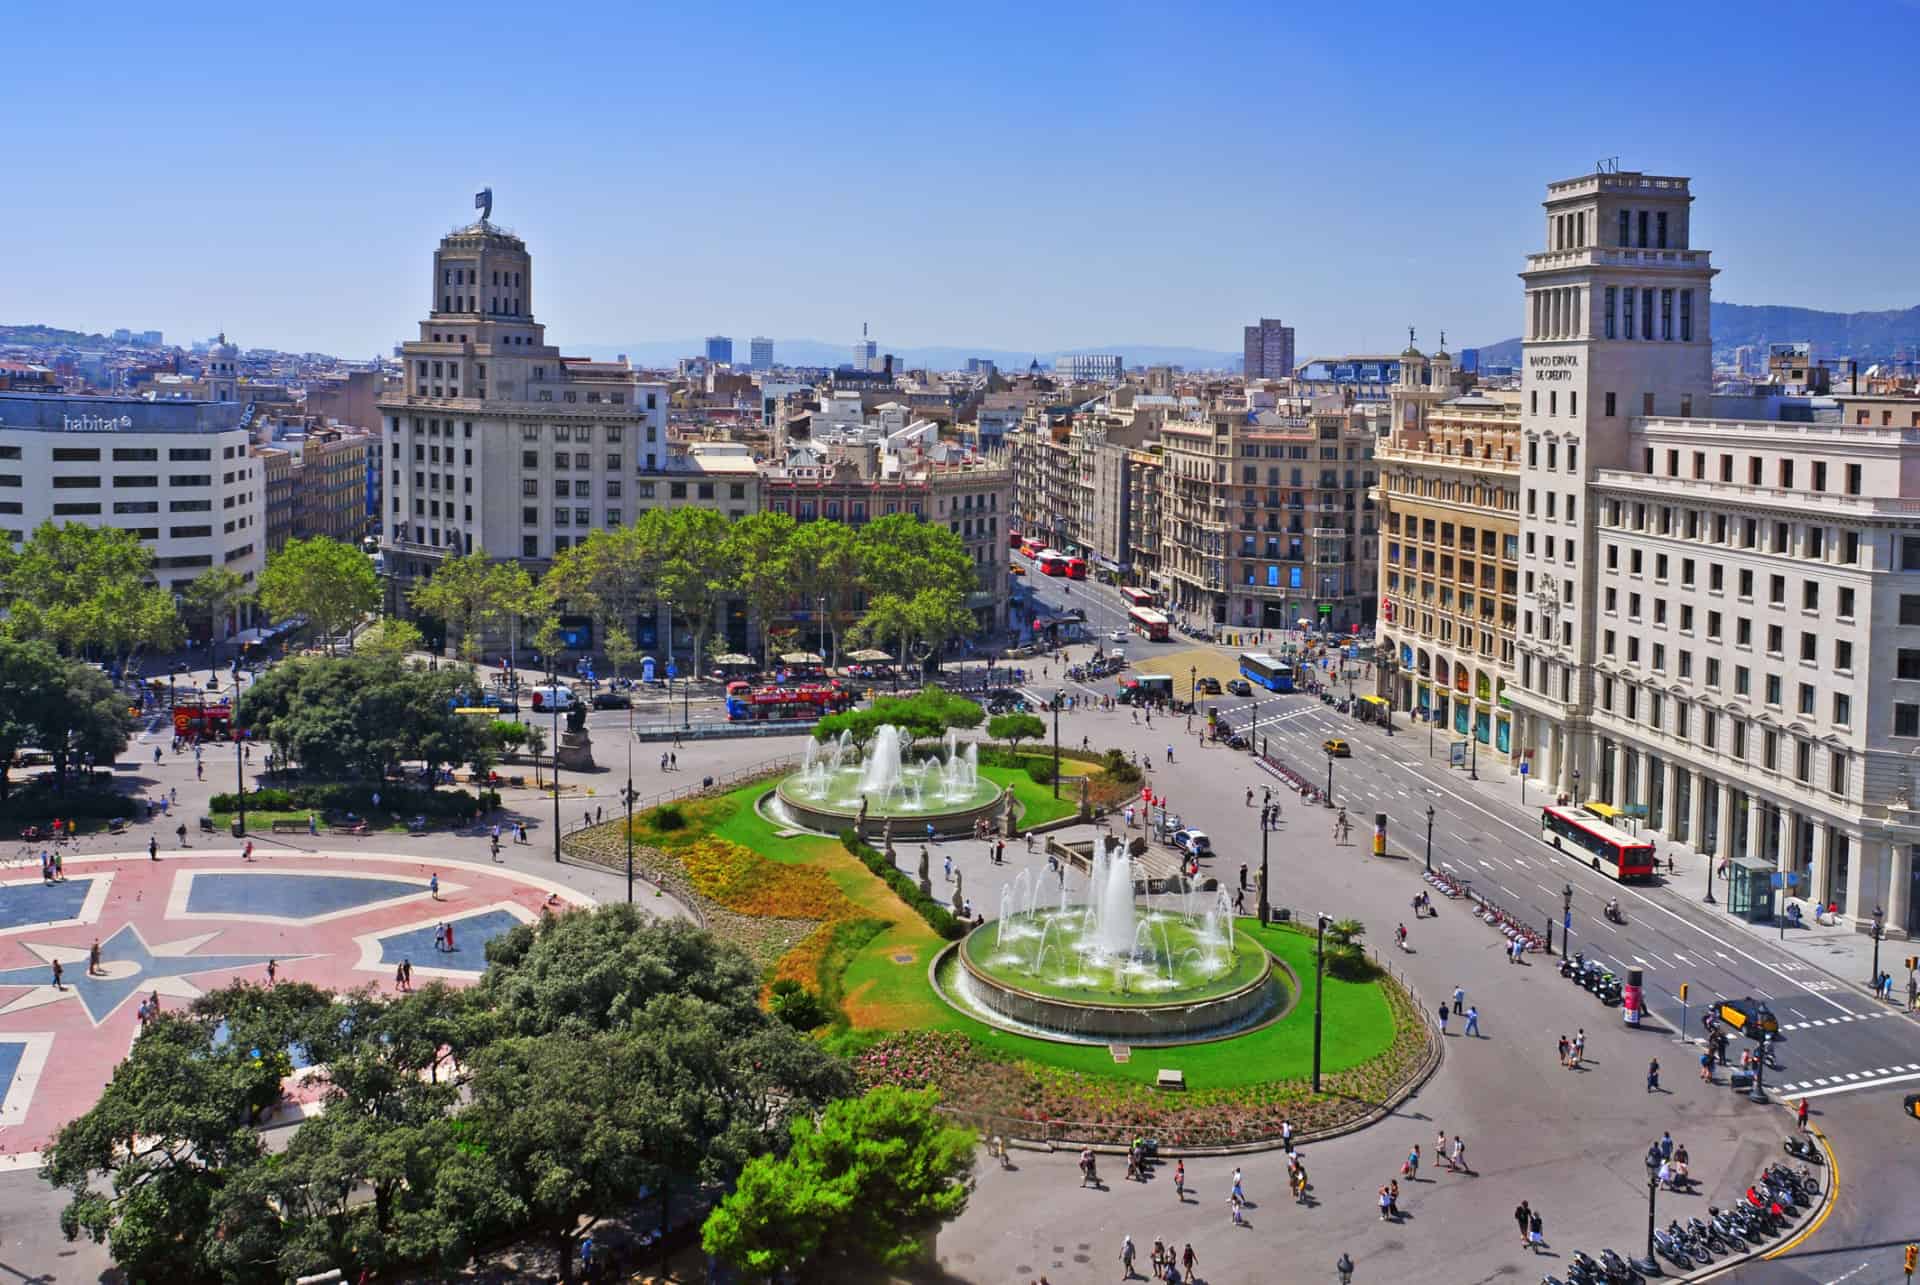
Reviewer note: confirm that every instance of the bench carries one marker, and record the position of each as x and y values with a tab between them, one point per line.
1169	1078
358	828
289	827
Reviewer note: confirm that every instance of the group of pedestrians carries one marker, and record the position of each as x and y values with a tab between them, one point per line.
1460	1009
1573	1051
1169	1264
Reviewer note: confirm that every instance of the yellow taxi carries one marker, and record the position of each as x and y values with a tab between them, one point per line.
1016	569
1336	748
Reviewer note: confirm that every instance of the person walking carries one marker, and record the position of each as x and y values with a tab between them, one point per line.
1535	1225
1473	1021
1706	1068
1666	1145
246	853
1523	1218
273	971
433	885
57	971
1564	1047
1239	1193
1459	998
1579	1047
1440	1149
1187	1259
93	958
1653	1075
1412	1166
1460	1154
1445	1013
153	848
1180	1181
1800	1115
1286	1136
947	867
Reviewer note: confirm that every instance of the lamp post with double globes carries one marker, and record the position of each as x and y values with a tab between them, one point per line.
1429	838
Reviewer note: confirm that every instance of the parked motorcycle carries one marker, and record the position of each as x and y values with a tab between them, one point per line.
1800	1149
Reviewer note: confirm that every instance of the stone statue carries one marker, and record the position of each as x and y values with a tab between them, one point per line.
863	814
959	902
1086	798
926	883
1008	826
1260	893
886	836
1902	800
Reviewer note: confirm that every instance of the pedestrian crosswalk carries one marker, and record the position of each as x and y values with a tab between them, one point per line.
1835	1021
1847	1080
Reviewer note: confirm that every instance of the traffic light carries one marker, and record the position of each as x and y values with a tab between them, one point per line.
1683	992
1913	962
1913	1259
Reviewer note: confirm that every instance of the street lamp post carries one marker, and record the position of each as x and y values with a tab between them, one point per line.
1329	778
1319	986
553	699
1056	744
1265	901
1709	897
1566	920
1473	745
1879	931
240	779
1653	1188
1429	838
1431	721
626	796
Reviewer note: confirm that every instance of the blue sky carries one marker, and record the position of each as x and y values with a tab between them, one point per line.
1020	176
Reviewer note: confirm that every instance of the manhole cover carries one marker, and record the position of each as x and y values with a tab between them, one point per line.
903	957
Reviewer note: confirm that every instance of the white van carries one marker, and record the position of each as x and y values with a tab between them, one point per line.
548	699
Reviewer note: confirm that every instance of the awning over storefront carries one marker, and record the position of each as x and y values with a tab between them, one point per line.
1374	700
1605	811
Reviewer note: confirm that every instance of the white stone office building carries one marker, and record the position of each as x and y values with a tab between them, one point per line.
496	441
179	474
1714	613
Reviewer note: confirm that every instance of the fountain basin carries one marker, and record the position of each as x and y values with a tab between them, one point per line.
1220	989
949	820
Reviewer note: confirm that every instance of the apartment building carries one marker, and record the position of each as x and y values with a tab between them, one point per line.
1267	350
496	441
1449	571
1268	517
1716	614
179	474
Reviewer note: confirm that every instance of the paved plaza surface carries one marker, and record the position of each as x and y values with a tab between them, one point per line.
1569	1141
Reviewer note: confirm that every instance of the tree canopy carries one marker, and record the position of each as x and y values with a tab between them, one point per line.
356	716
65	707
1015	728
925	714
473	596
332	584
601	1053
81	587
865	1183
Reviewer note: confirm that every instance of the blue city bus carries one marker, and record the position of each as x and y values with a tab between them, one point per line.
1269	672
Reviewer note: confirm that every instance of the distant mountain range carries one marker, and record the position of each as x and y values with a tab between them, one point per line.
815	352
1866	336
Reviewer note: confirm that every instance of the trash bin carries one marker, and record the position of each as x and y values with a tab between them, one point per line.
238	829
1741	1080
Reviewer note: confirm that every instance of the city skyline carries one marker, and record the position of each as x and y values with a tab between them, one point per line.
1404	203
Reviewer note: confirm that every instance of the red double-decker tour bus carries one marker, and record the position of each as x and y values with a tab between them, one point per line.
801	701
1076	568
1051	562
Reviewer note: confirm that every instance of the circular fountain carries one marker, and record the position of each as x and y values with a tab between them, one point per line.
836	788
1108	970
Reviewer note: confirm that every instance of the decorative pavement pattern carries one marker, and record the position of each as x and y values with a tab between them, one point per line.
186	925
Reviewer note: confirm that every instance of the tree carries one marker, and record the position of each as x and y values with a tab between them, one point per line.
180	1098
1014	728
866	1184
207	597
902	554
620	649
357	716
30	672
472	595
693	565
756	549
824	562
331	584
389	639
610	574
81	587
77	718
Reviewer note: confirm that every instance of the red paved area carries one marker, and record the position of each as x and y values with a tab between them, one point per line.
185	925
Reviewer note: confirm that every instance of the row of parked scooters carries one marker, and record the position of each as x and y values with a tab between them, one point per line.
1590	975
1771	1205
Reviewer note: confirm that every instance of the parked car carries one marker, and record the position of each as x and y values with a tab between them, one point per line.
612	700
501	703
1118	636
1207	686
1193	842
1240	687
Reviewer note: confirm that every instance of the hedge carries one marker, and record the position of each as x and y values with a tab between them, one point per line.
35	802
938	917
402	800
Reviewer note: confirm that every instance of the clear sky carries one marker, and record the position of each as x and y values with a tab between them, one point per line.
1018	176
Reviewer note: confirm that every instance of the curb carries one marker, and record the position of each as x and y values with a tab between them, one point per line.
1816	1215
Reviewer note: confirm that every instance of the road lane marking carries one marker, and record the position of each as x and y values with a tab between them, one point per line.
1863	1084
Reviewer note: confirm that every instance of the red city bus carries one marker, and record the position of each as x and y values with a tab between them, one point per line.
1137	597
1585	837
806	701
1013	540
1051	562
1076	568
1148	623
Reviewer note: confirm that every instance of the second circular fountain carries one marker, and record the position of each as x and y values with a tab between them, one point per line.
837	788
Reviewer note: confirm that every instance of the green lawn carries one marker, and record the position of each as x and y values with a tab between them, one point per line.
1037	804
1357	1024
885	987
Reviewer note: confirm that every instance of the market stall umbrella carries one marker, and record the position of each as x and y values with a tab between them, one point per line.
869	655
733	658
801	658
1304	623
